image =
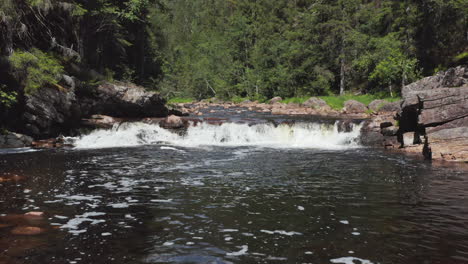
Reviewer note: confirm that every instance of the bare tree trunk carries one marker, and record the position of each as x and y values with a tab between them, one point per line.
403	80
391	89
209	86
342	77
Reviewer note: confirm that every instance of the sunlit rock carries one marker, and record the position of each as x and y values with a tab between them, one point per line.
27	231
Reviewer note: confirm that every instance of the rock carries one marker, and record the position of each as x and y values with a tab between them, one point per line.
34	214
316	103
14	140
371	138
391	142
434	111
376	105
172	122
10	177
389	131
454	77
410	138
449	144
275	100
55	110
51	143
100	121
123	100
354	107
50	111
27	231
443	105
69	81
390	107
385	124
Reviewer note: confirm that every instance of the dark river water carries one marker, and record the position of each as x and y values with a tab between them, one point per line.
232	202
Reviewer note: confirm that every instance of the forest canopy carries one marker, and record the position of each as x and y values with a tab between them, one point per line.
228	48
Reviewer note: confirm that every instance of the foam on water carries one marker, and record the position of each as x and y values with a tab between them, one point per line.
350	260
299	135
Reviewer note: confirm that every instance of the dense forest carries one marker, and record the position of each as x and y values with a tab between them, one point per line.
227	48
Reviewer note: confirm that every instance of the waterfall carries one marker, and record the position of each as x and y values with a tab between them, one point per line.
299	135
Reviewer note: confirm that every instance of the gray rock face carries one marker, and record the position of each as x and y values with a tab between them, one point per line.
14	140
454	77
51	111
436	109
354	107
124	100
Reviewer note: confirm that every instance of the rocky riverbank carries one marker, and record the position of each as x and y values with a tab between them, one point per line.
61	110
431	120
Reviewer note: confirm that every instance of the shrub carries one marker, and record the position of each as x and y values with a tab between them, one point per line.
7	99
35	69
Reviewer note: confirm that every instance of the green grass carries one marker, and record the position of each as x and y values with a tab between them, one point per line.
337	102
238	99
180	100
295	100
334	101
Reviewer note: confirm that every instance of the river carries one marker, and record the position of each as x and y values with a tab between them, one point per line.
234	193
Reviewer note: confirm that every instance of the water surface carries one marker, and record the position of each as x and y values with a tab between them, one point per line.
174	202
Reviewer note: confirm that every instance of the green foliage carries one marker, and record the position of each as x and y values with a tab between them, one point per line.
35	69
239	48
7	99
461	57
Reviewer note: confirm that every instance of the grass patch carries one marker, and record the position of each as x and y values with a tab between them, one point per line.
337	102
180	100
238	99
295	100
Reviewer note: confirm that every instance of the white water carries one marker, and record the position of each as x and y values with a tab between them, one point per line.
300	135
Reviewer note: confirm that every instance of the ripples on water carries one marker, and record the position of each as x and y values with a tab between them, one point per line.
242	204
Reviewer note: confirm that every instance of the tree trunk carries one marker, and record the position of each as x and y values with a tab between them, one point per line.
342	77
390	88
403	80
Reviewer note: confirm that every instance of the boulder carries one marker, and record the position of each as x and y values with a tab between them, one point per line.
376	105
453	77
50	111
275	100
123	100
14	140
390	107
389	131
100	121
172	122
316	103
354	107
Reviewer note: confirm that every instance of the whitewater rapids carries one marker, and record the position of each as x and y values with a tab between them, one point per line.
299	135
